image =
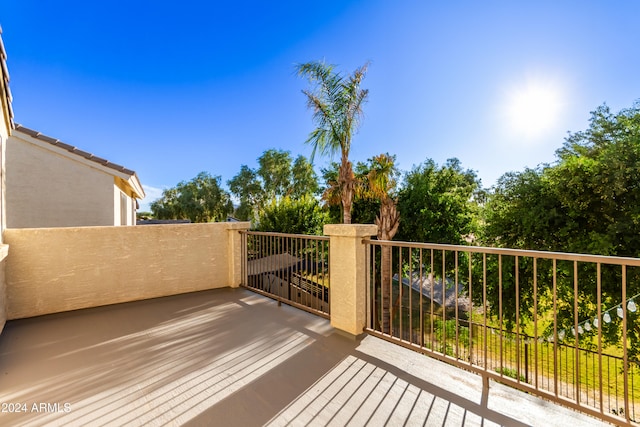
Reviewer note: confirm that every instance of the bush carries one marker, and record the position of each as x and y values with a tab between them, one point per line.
285	215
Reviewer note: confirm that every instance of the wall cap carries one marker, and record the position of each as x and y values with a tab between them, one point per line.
350	230
241	225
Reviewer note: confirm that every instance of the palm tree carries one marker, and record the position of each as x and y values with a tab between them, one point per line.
336	101
381	184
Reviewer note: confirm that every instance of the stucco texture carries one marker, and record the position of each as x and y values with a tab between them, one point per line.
347	266
52	270
48	189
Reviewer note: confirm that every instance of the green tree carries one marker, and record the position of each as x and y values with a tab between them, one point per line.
379	183
336	101
521	212
364	208
199	200
305	179
276	177
248	189
438	204
296	216
587	202
275	171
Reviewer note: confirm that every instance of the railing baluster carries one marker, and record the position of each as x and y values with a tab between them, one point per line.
432	280
500	312
484	309
410	299
555	330
400	286
625	351
443	305
455	301
470	302
576	334
517	289
421	302
535	321
600	326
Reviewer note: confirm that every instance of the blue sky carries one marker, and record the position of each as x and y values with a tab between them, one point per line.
171	89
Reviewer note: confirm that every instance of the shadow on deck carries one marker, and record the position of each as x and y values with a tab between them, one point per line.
232	357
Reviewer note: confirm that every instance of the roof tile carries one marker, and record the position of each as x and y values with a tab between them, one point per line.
72	149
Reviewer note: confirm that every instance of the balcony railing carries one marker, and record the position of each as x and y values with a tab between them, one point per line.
563	326
290	268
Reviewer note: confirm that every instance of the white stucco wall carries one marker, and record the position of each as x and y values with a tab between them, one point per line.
48	188
126	205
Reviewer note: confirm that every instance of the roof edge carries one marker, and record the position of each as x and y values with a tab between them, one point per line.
74	150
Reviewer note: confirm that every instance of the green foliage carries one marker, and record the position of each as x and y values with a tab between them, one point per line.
296	216
336	101
304	179
437	203
277	176
512	373
365	205
275	171
199	200
587	202
248	188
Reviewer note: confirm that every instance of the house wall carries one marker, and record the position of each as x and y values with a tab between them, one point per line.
51	270
47	189
124	203
5	127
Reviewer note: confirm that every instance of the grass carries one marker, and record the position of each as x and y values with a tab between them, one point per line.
507	358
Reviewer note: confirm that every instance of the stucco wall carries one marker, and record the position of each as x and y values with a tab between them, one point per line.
4	135
3	286
47	189
51	270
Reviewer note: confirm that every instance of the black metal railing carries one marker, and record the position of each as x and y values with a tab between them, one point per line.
291	268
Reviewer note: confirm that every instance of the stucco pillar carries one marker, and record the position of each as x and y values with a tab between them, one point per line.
347	267
235	251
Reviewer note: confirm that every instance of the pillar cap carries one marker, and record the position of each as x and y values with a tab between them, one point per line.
350	230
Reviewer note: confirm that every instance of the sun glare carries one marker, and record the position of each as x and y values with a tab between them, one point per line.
533	109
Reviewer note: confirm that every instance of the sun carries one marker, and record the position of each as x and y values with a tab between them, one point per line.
533	108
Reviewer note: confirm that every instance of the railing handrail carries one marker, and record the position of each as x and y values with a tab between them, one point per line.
564	256
574	375
272	233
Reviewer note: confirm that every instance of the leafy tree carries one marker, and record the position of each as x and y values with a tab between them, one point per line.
248	188
521	212
587	202
438	203
336	101
276	177
296	216
275	171
199	200
364	208
305	179
379	182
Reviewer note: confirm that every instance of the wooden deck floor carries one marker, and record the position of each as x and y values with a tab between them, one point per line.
231	357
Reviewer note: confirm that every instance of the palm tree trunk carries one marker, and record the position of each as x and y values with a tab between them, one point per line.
346	182
387	222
